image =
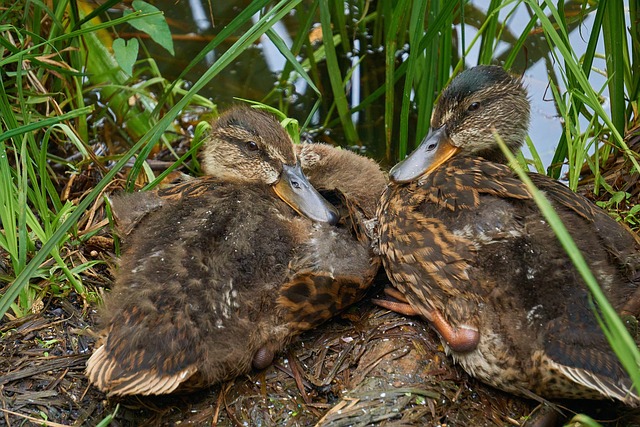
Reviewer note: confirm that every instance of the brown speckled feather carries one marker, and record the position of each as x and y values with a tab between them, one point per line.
217	276
425	246
333	271
459	185
469	250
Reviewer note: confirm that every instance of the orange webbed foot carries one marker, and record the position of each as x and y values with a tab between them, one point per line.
462	339
400	306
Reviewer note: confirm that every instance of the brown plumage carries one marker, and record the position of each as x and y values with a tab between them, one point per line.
219	273
466	247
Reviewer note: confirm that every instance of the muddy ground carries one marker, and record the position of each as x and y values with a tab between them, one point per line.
366	367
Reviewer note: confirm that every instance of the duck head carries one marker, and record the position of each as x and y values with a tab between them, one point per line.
479	103
248	146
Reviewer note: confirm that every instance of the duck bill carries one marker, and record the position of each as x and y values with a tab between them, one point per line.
434	150
295	189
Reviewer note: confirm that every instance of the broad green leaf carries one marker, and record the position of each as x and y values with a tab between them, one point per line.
154	25
126	54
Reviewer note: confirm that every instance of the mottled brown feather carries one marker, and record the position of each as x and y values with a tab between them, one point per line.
206	286
466	239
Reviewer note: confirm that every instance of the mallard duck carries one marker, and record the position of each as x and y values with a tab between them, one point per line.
220	272
466	247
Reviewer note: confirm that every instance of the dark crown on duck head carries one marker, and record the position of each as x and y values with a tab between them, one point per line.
247	145
479	103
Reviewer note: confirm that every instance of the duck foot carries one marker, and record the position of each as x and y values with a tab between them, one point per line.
544	416
400	306
262	358
462	339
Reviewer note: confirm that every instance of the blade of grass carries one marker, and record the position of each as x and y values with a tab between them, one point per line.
284	50
558	39
425	62
634	32
335	75
337	9
488	41
44	123
560	154
398	14
616	59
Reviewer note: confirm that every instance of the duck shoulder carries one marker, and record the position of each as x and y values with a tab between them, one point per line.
460	184
130	209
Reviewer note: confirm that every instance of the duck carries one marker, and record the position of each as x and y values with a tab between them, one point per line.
466	248
219	273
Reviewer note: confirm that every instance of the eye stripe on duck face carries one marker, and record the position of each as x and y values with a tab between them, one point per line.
274	153
249	142
272	157
253	144
465	112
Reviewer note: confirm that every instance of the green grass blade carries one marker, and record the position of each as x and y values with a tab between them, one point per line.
335	75
419	65
284	50
616	59
634	31
558	39
398	14
44	123
488	42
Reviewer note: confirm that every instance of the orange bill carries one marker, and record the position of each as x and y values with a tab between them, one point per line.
434	150
295	189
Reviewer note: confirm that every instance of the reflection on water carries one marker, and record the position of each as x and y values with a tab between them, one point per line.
255	75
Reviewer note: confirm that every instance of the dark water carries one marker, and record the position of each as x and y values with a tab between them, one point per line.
255	74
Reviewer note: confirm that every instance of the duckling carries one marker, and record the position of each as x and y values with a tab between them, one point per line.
466	247
220	272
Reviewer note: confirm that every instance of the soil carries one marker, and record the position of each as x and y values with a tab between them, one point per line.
368	366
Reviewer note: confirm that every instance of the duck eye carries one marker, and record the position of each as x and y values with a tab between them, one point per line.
252	146
474	106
